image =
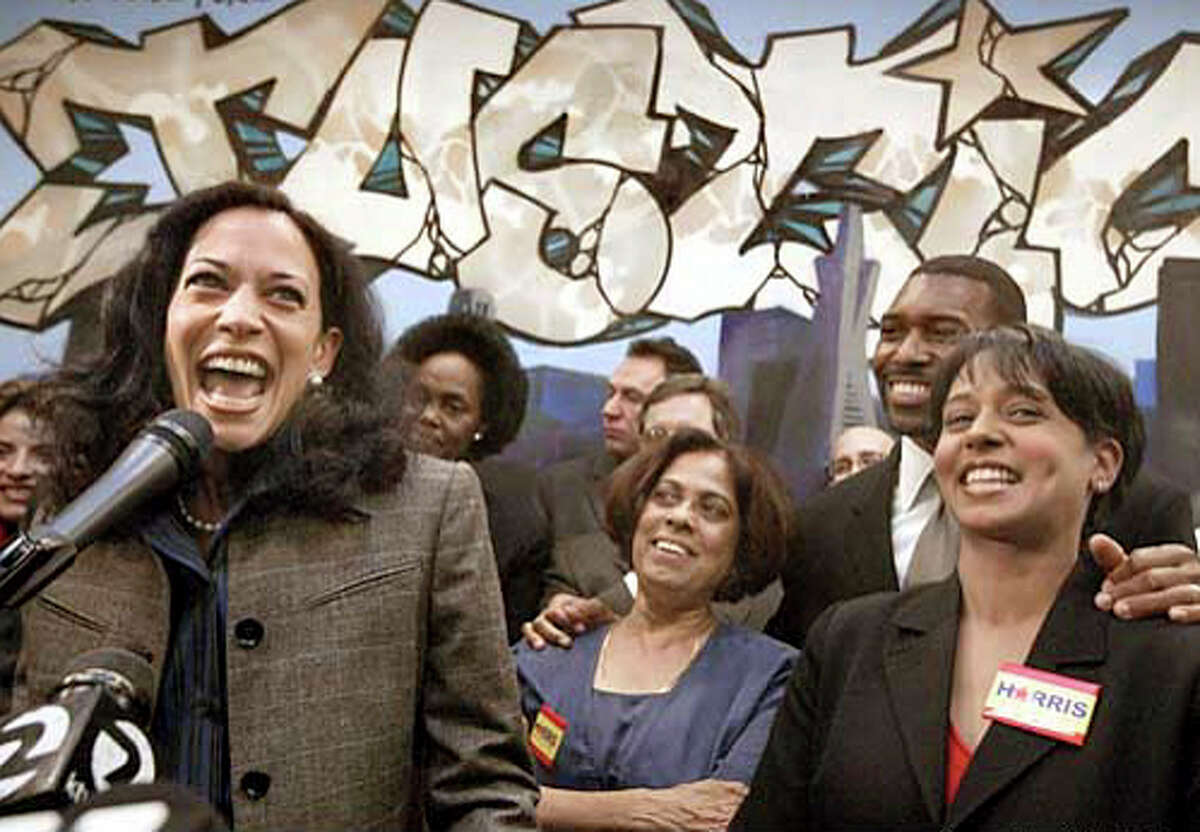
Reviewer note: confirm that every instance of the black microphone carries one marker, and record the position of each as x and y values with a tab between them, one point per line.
167	450
87	738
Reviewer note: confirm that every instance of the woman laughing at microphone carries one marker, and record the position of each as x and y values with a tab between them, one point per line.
320	608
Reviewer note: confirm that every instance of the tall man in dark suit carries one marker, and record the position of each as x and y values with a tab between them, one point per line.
864	534
572	491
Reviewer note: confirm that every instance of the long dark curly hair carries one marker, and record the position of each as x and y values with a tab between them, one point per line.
336	442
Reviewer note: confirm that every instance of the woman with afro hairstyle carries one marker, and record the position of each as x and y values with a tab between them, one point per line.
461	385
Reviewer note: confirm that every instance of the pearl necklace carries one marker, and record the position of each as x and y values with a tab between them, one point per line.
195	522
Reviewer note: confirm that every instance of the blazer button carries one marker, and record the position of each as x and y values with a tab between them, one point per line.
255	784
248	633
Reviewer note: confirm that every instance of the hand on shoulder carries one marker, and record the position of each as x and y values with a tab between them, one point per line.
565	616
1149	581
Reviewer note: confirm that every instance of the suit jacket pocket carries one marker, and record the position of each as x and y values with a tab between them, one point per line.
369	613
375	579
71	616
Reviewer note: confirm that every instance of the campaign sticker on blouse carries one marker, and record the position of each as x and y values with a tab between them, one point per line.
546	736
1045	703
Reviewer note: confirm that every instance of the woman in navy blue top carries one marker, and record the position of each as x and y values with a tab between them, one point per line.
661	717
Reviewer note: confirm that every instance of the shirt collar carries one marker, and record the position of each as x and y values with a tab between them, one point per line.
165	534
916	465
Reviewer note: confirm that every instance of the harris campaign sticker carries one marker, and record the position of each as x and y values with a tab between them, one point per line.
546	736
1042	702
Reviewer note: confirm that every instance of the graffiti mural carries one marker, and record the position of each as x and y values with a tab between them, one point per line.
628	168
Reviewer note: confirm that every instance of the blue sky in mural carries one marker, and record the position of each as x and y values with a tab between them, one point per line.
745	23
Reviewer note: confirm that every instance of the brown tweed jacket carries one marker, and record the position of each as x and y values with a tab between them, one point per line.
381	694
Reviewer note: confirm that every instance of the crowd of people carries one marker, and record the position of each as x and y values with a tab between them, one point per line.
360	615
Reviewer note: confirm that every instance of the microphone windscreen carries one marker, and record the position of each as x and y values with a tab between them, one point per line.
187	430
136	670
143	807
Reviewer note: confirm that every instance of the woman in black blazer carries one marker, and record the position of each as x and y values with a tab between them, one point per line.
973	703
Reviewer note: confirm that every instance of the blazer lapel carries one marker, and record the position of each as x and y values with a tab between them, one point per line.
602	466
918	663
871	529
1072	641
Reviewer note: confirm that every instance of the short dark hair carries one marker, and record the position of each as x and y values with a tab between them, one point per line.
333	444
725	417
676	358
1008	301
482	342
1087	388
763	503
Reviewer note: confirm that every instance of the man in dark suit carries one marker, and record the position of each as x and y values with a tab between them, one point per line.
862	535
572	491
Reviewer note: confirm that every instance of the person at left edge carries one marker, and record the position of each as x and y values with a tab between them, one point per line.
24	451
321	608
24	461
461	380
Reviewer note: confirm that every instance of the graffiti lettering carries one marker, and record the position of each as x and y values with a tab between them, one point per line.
437	95
628	165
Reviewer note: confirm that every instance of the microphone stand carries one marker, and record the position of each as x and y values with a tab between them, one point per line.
31	560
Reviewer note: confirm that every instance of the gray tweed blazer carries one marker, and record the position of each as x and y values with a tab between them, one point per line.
381	695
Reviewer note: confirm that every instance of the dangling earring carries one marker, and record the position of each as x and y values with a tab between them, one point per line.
315	379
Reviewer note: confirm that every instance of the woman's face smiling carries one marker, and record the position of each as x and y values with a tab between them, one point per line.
1011	465
24	458
244	325
687	533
